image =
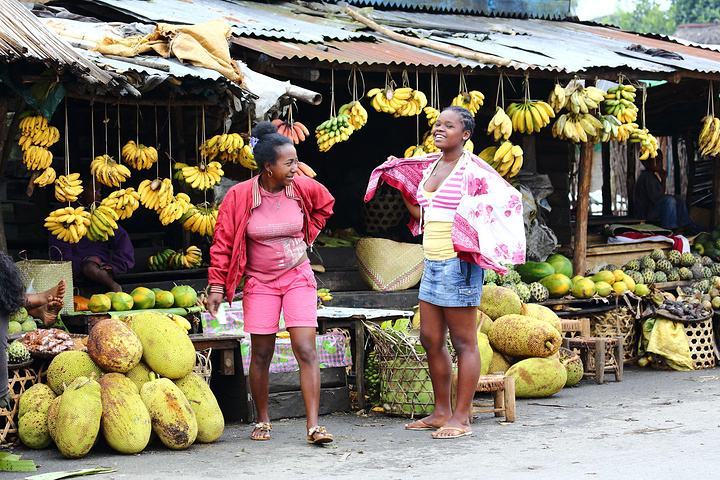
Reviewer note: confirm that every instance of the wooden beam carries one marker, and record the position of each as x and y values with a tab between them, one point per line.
716	194
582	207
630	159
607	182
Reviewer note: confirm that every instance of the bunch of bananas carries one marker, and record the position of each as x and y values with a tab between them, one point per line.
625	130
124	202
295	131
333	130
471	100
35	130
180	321
620	101
610	128
583	99
175	209
372	378
530	116
159	261
428	143
247	158
37	158
414	151
324	295
155	194
190	258
108	172
225	147
68	188
648	143
103	223
432	114
557	98
358	114
469	146
305	170
709	139
507	159
577	127
47	177
138	156
68	224
200	219
203	176
500	126
400	102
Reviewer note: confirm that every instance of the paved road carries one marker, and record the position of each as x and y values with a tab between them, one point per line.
653	425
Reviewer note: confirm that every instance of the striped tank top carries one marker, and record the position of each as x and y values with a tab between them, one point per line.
440	205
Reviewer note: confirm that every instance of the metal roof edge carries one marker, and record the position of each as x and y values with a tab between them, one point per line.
440	7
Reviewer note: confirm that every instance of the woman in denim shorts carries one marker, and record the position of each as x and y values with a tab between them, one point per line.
450	288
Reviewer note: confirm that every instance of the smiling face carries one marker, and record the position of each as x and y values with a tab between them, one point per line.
449	131
285	166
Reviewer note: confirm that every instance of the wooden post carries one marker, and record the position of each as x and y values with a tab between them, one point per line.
716	193
630	159
676	164
582	208
5	106
606	185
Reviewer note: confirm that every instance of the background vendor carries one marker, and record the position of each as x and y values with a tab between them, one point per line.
653	205
98	262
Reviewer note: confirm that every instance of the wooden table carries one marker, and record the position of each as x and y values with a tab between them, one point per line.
228	379
352	319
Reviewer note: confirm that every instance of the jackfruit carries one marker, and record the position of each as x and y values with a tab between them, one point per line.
36	399
126	423
69	365
521	336
33	430
486	352
173	419
113	346
78	419
139	375
541	312
499	301
52	414
498	364
538	377
483	322
167	349
210	420
573	366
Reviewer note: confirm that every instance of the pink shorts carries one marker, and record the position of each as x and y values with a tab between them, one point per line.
294	292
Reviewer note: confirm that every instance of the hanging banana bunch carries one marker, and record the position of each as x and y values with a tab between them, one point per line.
432	114
108	172
35	131
47	177
507	159
37	158
155	194
305	170
620	102
610	128
68	188
294	130
124	202
332	131
414	151
200	219
625	130
226	147
471	100
709	139
530	116
68	224
500	126
399	102
428	143
203	176
139	156
175	209
357	113
577	127
648	143
557	98
103	223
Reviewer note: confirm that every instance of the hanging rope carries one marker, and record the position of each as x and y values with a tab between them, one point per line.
92	139
170	156
332	93
203	141
417	115
118	135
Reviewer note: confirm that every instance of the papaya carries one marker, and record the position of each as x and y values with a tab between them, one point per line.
99	303
604	276
584	288
561	264
143	298
185	296
122	302
557	284
534	271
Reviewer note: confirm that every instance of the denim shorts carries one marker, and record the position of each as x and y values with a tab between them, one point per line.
451	283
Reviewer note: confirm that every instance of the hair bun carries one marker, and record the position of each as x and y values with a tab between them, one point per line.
263	129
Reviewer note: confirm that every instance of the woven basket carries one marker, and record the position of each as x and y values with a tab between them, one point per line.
203	364
620	322
388	266
701	339
20	379
40	275
385	210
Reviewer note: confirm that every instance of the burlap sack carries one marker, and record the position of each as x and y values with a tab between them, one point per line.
39	275
388	266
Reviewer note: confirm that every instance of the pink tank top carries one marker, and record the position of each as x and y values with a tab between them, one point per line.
275	240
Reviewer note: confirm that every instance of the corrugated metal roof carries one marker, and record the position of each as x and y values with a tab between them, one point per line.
556	9
24	37
284	21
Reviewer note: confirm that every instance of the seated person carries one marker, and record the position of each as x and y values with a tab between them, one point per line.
654	206
98	262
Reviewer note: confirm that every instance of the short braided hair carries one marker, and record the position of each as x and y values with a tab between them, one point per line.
268	139
466	117
11	285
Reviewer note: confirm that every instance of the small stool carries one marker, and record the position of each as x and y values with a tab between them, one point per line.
575	327
502	389
607	355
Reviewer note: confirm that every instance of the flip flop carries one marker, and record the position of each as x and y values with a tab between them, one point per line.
422	427
459	433
264	428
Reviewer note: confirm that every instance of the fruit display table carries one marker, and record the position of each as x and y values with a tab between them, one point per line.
82	322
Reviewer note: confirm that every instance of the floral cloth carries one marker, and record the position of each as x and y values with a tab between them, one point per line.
488	229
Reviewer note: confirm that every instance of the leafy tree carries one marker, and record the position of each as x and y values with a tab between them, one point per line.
647	17
696	11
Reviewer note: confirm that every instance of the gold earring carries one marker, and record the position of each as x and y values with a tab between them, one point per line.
269	173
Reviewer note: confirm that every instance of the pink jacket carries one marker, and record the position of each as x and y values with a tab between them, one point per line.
488	229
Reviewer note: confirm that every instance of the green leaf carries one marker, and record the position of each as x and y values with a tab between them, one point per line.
17	465
70	474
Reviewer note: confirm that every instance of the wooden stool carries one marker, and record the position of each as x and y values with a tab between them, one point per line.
575	327
607	355
503	391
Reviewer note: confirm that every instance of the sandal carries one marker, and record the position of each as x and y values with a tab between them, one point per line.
457	433
264	429
318	435
419	425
